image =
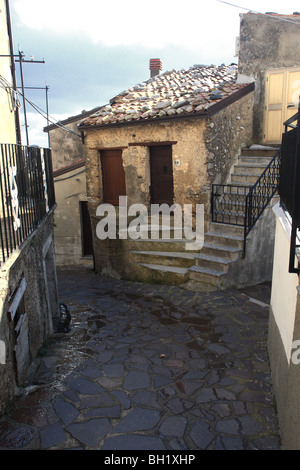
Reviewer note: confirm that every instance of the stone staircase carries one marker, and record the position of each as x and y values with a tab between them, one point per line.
215	266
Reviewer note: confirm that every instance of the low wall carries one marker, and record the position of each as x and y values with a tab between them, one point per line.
29	307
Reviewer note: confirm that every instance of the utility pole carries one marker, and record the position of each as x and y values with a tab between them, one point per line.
21	61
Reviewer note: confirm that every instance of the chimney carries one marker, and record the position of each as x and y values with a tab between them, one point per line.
155	67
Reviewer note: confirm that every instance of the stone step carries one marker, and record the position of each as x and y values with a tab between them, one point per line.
248	160
222	251
229	229
259	151
234	241
244	178
205	275
213	263
173	245
166	258
249	168
166	274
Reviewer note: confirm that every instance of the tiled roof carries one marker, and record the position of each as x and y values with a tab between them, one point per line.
183	92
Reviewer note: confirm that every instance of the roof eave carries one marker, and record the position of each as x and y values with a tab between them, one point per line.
212	110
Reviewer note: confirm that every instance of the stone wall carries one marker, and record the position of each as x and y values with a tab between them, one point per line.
66	148
28	276
226	133
266	43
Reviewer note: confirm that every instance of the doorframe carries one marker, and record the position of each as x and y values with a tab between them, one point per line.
160	144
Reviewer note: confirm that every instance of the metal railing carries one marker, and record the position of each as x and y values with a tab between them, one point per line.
26	193
243	205
289	187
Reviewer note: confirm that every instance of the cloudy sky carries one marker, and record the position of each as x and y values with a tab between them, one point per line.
95	49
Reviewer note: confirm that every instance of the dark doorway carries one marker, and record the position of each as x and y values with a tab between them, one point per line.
113	176
86	230
161	174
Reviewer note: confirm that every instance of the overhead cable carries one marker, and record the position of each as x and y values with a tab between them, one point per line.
259	13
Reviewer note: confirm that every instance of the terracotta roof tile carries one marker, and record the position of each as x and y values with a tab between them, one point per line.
169	94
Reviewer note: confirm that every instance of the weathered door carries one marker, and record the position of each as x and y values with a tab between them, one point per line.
113	176
282	95
161	174
86	230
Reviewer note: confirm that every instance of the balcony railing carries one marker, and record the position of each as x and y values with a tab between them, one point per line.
26	193
289	187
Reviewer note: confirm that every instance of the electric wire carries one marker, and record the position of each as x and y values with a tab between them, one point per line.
9	89
259	13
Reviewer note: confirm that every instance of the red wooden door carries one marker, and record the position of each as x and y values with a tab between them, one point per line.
161	174
113	176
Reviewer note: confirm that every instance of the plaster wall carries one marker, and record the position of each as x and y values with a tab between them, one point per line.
70	189
66	147
284	329
7	128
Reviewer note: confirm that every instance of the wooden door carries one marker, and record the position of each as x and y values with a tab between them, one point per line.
86	230
161	174
282	95
113	176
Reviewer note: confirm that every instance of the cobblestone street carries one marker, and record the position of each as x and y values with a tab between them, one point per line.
149	367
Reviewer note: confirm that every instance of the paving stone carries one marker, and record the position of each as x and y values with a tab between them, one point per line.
104	412
65	411
173	426
86	387
123	398
139	419
250	426
135	380
133	442
147	398
113	370
90	432
228	426
52	435
201	435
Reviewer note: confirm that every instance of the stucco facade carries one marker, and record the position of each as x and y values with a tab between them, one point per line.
284	336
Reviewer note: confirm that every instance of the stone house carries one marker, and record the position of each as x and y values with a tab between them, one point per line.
165	141
201	125
29	309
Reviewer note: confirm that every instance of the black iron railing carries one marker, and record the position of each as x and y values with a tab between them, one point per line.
26	193
289	187
243	205
261	193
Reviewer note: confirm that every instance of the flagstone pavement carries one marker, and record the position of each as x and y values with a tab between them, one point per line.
149	367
